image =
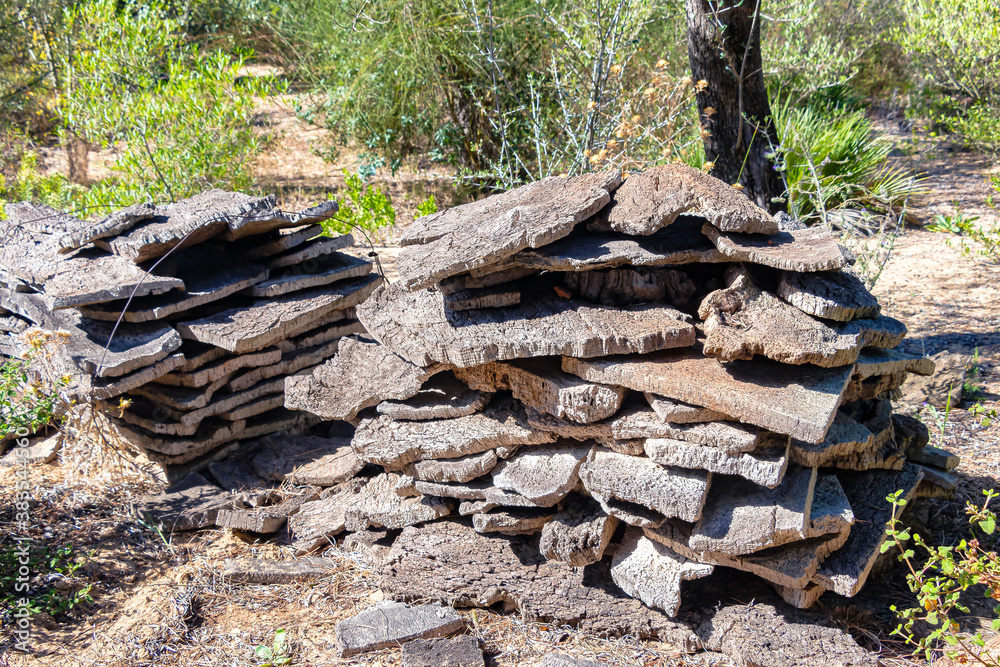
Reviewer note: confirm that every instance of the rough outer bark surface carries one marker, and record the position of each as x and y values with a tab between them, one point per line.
730	438
92	348
305	459
652	200
277	242
836	295
542	385
181	398
680	243
517	521
205	283
345	325
462	651
671	492
389	624
800	598
317	248
394	445
846	436
463	469
487	231
629	285
114	224
378	504
103	390
882	331
261	571
416	326
760	635
489	277
877	361
292	362
723	43
800	250
652	572
188	505
846	571
267	321
211	372
317	522
235	476
444	561
361	375
578	534
765	469
741	517
267	519
496	296
545	474
743	320
800	401
328	269
192	221
679	412
443	397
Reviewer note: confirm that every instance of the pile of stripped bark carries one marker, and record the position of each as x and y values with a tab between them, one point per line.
651	376
195	313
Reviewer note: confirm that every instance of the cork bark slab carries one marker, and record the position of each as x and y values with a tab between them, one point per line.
630	285
672	492
389	624
498	296
487	231
800	401
875	386
461	470
443	397
269	572
834	295
791	565
416	327
781	637
267	321
253	408
316	523
324	271
341	325
181	398
515	521
291	362
681	243
13	324
443	561
206	282
679	412
394	445
877	361
741	517
800	250
490	277
362	374
845	437
105	389
190	221
133	346
846	571
269	221
235	476
652	572
284	239
269	519
743	320
315	249
578	534
545	474
542	385
114	224
730	438
190	504
478	495
652	200
209	373
765	469
882	331
377	504
305	459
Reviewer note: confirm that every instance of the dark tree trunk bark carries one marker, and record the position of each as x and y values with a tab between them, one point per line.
724	49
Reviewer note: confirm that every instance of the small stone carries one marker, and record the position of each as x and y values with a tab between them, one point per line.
393	623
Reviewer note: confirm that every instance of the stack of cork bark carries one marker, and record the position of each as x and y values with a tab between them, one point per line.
194	312
652	370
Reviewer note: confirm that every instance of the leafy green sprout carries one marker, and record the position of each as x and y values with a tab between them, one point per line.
41	562
277	653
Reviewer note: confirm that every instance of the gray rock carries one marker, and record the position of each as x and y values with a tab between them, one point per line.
393	623
462	651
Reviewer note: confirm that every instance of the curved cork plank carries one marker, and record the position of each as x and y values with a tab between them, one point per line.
416	326
800	401
803	250
324	271
490	230
834	295
652	200
443	397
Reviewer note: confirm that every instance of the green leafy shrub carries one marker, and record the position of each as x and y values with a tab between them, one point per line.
426	207
27	403
939	578
364	207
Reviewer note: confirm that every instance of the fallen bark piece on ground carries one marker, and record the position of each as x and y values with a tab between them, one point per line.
190	504
461	651
262	571
393	623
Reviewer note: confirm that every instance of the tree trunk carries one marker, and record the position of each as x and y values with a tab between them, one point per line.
724	49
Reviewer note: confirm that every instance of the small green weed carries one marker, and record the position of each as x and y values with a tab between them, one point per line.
985	416
426	207
974	238
42	597
365	207
275	654
939	582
